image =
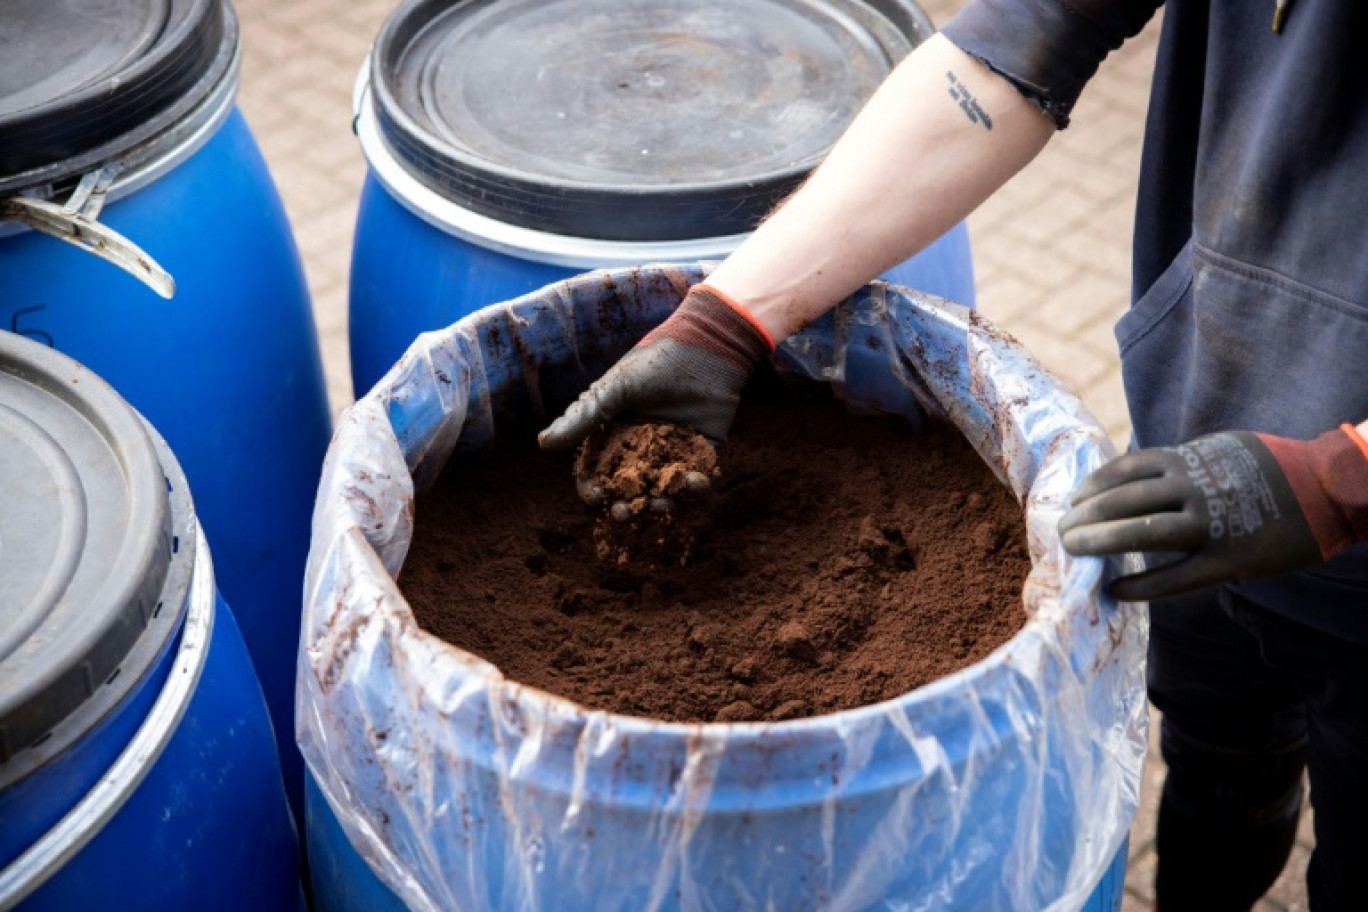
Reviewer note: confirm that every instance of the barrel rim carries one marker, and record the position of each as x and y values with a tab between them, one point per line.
583	208
504	237
165	152
218	24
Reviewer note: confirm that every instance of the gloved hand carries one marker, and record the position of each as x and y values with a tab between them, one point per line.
687	371
1241	505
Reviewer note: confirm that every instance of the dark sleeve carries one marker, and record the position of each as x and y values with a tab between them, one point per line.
1047	49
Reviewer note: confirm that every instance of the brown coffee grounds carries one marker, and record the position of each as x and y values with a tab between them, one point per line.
845	561
651	487
634	463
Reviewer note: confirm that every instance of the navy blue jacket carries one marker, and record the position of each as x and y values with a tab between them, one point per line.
1250	284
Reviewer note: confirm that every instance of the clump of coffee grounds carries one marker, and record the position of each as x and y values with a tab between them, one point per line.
845	561
644	471
636	462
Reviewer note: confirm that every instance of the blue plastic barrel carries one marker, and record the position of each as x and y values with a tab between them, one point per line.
138	768
518	144
344	882
1009	785
229	368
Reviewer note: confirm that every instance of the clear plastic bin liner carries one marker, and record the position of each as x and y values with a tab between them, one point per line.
1009	785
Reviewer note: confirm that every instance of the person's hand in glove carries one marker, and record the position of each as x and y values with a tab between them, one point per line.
1240	505
688	371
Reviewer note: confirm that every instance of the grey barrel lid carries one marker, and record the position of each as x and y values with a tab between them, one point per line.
82	82
636	120
87	538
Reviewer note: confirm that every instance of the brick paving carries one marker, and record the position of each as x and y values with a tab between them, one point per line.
1052	248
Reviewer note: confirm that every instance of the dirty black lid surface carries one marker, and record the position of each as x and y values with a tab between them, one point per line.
628	119
82	80
85	537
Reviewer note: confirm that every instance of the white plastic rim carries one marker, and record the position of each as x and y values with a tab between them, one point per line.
501	237
82	823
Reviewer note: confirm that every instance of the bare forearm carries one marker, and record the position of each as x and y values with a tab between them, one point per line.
940	135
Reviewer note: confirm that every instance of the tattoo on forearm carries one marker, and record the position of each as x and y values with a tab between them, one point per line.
968	104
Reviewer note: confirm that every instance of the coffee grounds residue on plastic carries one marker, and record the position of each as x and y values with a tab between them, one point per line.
845	561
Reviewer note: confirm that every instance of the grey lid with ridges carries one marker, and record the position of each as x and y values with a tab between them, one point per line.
86	537
84	81
630	120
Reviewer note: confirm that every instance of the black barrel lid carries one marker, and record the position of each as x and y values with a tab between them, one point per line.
634	120
85	538
82	81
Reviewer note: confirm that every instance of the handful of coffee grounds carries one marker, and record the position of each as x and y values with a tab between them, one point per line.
645	480
838	561
635	463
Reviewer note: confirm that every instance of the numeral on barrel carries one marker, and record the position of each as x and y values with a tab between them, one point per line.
37	335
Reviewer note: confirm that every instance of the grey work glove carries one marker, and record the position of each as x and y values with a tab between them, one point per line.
1241	505
688	371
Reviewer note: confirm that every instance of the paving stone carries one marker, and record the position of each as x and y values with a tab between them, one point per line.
1099	334
1140	876
1306	827
366	14
1132	902
1017	194
1140	872
1102	253
340	40
296	16
1289	891
287	141
1004	248
337	356
339	155
1082	307
1005	295
1060	211
327	237
1074	364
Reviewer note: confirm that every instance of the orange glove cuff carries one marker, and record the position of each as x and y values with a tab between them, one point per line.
1355	436
742	310
706	320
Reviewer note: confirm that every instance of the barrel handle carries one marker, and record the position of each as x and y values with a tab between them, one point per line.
82	823
75	222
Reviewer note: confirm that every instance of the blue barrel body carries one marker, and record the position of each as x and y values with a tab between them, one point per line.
229	371
208	829
344	882
408	277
